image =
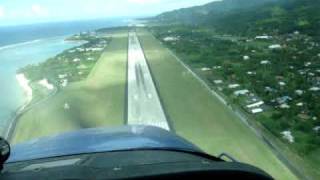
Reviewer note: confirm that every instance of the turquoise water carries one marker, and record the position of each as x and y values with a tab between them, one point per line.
16	56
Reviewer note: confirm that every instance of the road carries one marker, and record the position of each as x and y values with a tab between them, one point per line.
12	126
144	107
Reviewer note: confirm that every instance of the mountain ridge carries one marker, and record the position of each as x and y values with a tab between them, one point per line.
250	16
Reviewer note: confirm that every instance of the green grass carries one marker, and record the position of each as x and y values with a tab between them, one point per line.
201	118
95	102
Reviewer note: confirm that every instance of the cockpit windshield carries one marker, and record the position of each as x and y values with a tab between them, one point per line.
240	77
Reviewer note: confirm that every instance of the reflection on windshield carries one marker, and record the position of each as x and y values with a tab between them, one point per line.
240	77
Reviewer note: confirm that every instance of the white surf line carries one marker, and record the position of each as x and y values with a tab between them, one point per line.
144	107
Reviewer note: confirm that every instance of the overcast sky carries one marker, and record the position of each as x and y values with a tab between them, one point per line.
15	12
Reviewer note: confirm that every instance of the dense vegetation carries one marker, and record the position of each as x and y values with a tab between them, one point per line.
251	17
270	48
201	49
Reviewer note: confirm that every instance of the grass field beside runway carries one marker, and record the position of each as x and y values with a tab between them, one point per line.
96	102
203	119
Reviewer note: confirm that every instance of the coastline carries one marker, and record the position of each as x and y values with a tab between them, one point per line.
23	85
27	91
33	97
13	116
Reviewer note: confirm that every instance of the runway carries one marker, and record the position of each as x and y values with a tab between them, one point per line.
144	107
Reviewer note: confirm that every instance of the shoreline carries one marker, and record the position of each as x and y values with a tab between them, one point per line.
27	91
27	103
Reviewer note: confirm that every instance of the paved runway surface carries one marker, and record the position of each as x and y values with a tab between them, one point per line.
144	107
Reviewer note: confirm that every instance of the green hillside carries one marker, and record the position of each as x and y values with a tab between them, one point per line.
220	41
251	16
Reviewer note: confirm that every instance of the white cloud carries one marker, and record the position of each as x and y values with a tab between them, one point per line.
35	10
2	13
39	10
143	1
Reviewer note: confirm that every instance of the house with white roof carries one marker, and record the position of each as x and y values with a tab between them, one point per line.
169	38
64	82
264	62
205	69
62	76
275	46
307	64
233	86
76	60
66	106
96	49
288	136
251	73
218	81
300	104
216	67
264	37
284	106
255	105
281	83
299	92
241	92
80	49
314	89
256	110
246	57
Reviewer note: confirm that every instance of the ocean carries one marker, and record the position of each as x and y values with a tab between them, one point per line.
31	44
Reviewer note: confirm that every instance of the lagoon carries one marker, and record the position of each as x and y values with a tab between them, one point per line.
16	56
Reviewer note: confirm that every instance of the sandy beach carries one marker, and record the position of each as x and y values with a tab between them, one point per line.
17	93
45	83
27	90
24	83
